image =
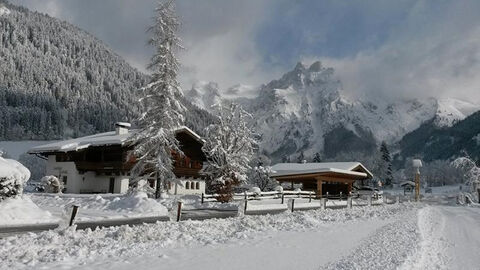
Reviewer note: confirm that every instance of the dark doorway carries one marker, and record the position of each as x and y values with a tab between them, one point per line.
111	186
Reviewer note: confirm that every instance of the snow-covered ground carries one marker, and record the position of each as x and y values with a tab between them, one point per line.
100	206
307	239
433	234
15	149
22	211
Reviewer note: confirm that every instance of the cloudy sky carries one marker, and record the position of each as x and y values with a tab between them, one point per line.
395	49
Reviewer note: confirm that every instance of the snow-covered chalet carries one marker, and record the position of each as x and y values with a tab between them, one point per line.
101	163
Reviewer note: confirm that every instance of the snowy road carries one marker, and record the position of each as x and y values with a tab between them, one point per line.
450	238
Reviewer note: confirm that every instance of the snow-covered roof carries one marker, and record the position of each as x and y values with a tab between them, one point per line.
410	183
286	169
101	139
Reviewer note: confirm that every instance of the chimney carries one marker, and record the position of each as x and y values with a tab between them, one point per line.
122	128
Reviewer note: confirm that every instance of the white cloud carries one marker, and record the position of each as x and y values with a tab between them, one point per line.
433	53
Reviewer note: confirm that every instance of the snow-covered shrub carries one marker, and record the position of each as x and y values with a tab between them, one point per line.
256	190
471	173
260	177
13	176
52	184
141	186
279	189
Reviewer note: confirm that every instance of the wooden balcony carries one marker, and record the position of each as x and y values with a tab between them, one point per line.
186	172
103	166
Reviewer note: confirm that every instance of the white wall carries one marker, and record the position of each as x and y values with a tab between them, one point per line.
89	182
180	189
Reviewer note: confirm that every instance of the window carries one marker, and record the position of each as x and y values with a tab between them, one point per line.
64	179
197	185
187	185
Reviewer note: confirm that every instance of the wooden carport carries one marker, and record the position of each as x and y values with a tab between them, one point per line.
332	177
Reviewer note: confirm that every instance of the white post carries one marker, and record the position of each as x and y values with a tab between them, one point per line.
398	199
323	203
369	200
349	202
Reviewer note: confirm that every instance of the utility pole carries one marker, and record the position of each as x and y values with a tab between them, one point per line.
417	164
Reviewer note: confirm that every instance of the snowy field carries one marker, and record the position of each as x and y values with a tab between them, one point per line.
16	148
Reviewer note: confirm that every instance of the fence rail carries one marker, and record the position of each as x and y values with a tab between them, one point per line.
264	195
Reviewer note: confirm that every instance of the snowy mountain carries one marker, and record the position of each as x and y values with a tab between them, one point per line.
305	111
58	81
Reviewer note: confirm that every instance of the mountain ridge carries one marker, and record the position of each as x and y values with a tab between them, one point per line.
305	111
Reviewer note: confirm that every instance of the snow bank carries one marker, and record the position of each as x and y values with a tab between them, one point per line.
137	203
99	207
22	210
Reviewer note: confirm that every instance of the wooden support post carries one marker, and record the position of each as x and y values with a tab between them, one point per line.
326	195
203	197
293	205
74	213
245	195
323	203
245	206
319	187
179	211
310	197
341	196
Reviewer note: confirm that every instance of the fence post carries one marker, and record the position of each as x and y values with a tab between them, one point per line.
293	204
74	213
202	197
323	203
397	199
384	197
310	197
349	202
283	196
369	199
326	195
341	196
245	206
179	211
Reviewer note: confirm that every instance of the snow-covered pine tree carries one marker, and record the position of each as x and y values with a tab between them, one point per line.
229	147
301	157
156	140
386	165
317	158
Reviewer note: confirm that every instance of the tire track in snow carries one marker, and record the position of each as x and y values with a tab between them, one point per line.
387	248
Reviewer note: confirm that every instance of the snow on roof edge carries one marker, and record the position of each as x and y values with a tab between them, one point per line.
99	139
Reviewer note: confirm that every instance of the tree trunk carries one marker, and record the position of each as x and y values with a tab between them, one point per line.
158	189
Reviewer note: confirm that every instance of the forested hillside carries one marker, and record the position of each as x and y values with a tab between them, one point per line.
433	143
58	81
